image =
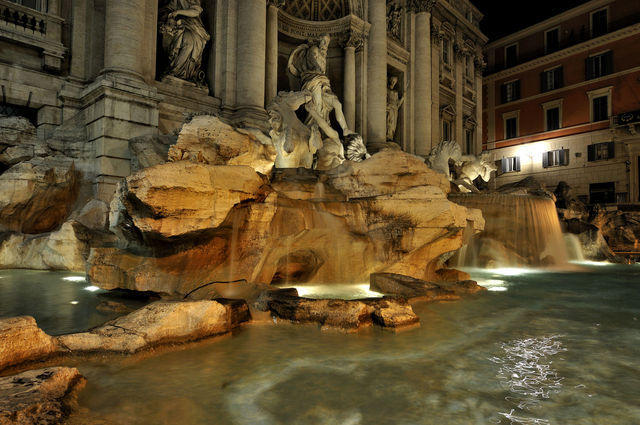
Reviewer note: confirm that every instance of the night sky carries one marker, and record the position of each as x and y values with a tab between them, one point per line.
504	17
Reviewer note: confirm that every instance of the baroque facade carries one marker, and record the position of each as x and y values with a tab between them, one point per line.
563	102
118	69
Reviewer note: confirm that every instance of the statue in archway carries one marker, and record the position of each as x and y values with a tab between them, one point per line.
394	103
184	38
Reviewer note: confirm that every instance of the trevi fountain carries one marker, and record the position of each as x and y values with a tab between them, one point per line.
283	271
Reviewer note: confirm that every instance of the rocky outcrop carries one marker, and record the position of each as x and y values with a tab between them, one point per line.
419	290
208	140
178	198
42	396
23	341
17	141
64	249
159	323
37	196
150	150
347	315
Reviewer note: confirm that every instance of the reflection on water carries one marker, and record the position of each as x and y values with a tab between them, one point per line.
61	302
552	349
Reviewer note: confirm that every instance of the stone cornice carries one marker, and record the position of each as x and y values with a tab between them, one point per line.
564	53
421	6
348	29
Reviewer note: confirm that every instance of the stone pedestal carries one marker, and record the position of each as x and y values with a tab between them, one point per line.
377	76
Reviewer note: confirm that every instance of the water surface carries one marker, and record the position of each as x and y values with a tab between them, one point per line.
541	348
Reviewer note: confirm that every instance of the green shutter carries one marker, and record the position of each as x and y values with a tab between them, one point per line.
611	148
591	153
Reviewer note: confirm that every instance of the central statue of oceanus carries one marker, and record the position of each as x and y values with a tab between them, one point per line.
313	143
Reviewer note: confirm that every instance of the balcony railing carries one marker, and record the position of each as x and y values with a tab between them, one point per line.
28	26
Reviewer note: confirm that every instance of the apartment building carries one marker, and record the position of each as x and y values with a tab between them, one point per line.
561	102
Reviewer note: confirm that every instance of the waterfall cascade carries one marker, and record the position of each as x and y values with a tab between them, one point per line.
520	230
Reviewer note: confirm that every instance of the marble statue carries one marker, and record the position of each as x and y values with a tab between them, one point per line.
308	63
294	142
394	103
440	155
184	38
472	168
394	20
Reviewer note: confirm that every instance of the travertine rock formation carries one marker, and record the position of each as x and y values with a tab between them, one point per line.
41	396
22	340
187	224
160	323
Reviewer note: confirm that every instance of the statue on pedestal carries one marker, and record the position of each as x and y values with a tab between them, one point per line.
394	103
184	38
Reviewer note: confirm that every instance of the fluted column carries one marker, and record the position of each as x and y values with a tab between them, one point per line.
423	93
459	75
251	57
124	34
354	42
377	76
272	49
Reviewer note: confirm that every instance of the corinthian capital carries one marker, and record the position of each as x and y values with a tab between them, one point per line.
276	3
419	6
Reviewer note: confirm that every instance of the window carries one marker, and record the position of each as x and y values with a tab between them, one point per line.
601	151
510	91
599	108
446	56
553	119
551	79
446	130
40	5
511	55
602	193
551	40
511	128
599	23
510	164
469	141
555	158
597	66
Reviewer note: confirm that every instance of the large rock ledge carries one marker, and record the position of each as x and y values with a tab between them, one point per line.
158	323
348	315
416	290
42	396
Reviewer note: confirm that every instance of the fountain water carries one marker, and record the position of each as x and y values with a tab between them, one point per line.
574	248
520	230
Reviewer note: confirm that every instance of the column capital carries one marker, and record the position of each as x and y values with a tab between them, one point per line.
276	3
421	6
354	39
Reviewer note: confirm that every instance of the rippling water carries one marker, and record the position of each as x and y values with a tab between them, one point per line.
544	349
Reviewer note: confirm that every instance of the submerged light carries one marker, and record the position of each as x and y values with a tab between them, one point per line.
91	288
73	302
74	278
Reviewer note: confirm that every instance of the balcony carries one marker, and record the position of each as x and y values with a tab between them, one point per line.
42	31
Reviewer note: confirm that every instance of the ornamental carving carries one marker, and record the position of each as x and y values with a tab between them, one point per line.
394	19
421	6
276	3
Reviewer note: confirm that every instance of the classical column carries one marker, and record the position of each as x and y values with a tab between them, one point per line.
478	89
377	76
459	75
272	49
349	80
124	34
251	57
422	55
436	125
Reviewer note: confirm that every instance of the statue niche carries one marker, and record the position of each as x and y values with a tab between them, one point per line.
184	38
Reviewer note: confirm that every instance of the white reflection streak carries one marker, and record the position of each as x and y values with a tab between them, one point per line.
527	373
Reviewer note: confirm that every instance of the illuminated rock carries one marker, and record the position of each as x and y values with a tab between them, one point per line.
42	396
23	341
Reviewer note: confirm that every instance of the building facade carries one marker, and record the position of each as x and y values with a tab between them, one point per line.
103	66
562	101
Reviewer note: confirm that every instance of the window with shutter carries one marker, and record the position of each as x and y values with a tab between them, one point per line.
510	91
510	164
599	23
601	151
555	158
553	119
599	65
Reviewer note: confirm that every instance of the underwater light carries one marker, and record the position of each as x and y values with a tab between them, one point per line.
74	278
340	291
510	271
496	285
91	288
592	263
73	302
